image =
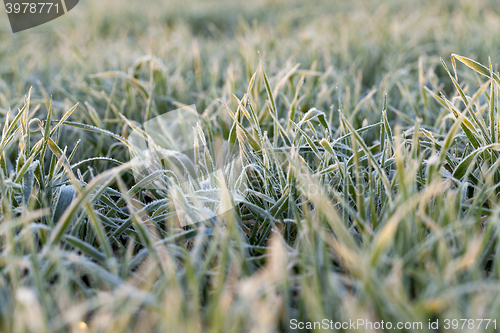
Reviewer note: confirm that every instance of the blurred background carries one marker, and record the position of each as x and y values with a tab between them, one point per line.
142	59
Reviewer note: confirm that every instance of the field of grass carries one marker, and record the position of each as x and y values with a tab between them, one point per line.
371	155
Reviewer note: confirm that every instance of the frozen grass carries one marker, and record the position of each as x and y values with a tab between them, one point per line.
375	166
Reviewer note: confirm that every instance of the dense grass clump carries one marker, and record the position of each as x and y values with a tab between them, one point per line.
372	166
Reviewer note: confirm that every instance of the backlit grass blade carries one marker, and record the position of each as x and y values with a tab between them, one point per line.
479	68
